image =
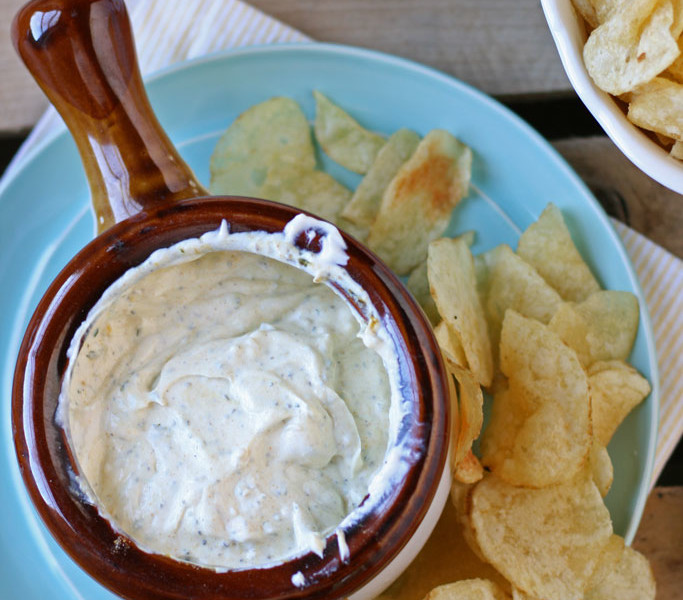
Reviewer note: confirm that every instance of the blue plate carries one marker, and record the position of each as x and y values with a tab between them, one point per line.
46	219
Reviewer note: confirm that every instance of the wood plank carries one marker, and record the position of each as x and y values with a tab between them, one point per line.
660	538
625	192
21	100
503	48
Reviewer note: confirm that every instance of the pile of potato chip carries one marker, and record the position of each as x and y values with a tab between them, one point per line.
534	328
634	52
404	201
531	327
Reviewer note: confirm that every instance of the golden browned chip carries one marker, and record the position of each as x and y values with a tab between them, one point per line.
418	284
616	388
539	433
417	205
602	327
342	138
470	409
506	281
546	541
445	558
547	246
450	268
656	106
365	202
467	589
630	579
632	46
469	469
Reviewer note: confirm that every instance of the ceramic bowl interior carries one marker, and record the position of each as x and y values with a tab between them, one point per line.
48	467
569	33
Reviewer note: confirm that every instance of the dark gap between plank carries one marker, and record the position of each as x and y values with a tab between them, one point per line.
9	144
556	118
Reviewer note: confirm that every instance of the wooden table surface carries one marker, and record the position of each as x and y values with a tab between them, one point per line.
502	47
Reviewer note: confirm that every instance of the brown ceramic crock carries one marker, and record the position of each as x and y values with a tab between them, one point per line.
82	54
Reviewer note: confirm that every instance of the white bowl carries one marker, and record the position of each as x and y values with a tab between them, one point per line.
568	31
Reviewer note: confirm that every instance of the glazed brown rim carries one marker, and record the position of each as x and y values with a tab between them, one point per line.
112	559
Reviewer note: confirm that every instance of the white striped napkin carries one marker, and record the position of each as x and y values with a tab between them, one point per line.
661	278
173	30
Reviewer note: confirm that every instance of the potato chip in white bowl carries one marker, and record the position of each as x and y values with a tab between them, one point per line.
653	153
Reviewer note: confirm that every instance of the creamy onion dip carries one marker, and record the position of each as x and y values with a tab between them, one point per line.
226	407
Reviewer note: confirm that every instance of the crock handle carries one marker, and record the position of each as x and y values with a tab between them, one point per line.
82	54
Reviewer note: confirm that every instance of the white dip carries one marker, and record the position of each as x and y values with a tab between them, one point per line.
226	410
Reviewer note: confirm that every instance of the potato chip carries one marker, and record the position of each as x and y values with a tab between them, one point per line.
418	284
632	46
342	138
450	344
677	150
607	561
307	189
310	190
497	441
470	410
267	135
267	153
602	327
616	388
664	140
353	230
601	467
547	246
546	541
630	579
469	237
677	25
445	558
461	500
455	419
587	11
365	202
675	69
658	106
604	8
540	434
450	268
467	589
506	281
520	595
417	205
469	469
